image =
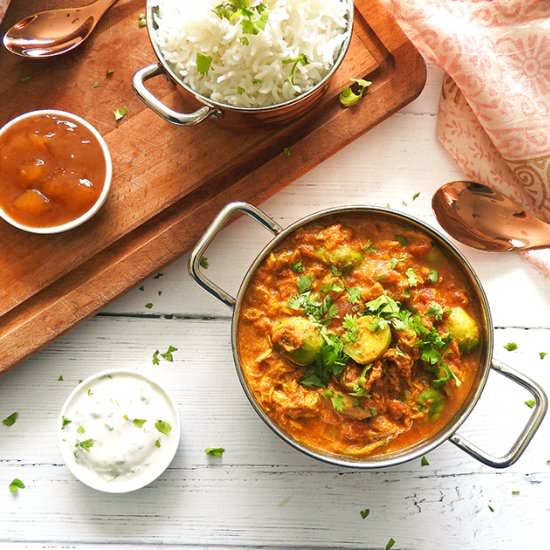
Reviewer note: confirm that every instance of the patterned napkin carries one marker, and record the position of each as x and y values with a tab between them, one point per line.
494	114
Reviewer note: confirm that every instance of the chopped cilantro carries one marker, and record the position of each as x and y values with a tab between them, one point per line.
530	403
26	78
158	275
157	443
364	513
543	354
141	288
109	73
394	262
87	444
11	419
436	311
348	97
244	41
203	262
424	461
163	427
297	267
490	508
167	355
139	422
120	112
373	411
149	305
390	543
65	422
515	492
60	378
142	21
383	306
402	240
286	152
156	360
304	283
368	247
240	90
416	195
330	362
412	279
80	429
15	485
433	276
90	392
214	451
510	346
203	63
95	84
354	295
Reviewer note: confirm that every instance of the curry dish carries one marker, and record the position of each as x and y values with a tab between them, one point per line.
359	336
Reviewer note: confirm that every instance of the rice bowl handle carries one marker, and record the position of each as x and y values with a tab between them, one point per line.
165	112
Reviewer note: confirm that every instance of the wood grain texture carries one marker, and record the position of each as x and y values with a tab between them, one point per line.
165	187
262	492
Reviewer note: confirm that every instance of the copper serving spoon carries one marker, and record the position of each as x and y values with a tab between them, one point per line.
54	32
482	218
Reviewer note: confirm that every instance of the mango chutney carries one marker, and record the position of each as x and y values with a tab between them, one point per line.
52	170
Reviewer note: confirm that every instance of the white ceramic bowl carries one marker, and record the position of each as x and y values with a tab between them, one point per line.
106	183
154	469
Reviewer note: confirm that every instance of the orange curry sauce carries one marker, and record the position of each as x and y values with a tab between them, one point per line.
405	395
52	170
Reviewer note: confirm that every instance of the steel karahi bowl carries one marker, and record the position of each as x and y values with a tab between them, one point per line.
487	361
228	115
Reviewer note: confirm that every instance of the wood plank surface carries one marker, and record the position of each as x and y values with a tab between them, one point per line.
165	187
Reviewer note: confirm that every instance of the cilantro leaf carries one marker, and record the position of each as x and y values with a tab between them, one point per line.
297	267
167	355
530	403
433	276
301	59
383	306
120	112
203	63
424	461
543	354
139	422
436	311
15	485
304	283
11	419
354	295
155	360
214	451
348	97
203	262
510	346
163	427
412	278
87	444
364	513
390	543
352	329
65	422
402	240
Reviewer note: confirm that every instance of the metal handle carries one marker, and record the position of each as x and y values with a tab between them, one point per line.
182	119
528	432
214	228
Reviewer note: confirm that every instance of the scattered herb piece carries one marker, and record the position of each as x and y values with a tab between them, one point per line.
214	451
402	240
26	78
15	485
510	346
286	152
139	422
390	543
373	411
297	267
60	378
203	63
412	279
90	392
109	73
95	84
244	41
159	275
424	461
156	360
87	444
364	513
354	295
368	247
436	311
433	276
157	443
142	288
65	422
203	262
80	429
120	113
543	354
149	305
167	355
515	492
304	283
416	195
11	419
240	90
163	427
337	401
142	21
348	97
258	81
490	508
530	403
301	59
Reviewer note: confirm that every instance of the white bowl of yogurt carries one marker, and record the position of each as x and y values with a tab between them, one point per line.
118	431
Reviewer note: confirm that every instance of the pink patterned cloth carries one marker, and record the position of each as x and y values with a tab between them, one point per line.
494	115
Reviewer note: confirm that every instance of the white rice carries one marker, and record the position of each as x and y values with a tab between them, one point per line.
253	74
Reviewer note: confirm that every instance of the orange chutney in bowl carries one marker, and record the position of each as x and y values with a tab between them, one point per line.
52	170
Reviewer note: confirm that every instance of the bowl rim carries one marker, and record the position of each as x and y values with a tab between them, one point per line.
151	31
157	468
424	446
106	182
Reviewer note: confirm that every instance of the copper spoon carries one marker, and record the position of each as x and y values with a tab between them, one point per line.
482	218
54	32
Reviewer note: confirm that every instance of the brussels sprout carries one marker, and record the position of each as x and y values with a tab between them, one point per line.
373	339
297	339
463	329
344	257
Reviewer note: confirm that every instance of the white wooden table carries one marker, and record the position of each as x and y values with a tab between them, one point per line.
262	492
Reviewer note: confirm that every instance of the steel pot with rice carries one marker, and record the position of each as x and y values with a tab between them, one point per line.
245	62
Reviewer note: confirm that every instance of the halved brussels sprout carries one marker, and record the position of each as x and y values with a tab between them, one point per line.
373	339
297	339
344	257
463	329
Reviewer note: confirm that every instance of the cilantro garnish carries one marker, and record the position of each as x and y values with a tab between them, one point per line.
11	419
149	305
203	262
352	329
156	360
297	267
348	97
433	276
15	485
163	427
120	112
304	283
330	362
510	346
543	354
157	443
203	62
87	444
390	543
416	195
364	513
142	21
515	492
412	278
65	422
424	461
167	355
214	451
436	311
402	240
368	247
139	422
80	429
301	59
354	295
337	400
383	306
490	508
530	403
60	378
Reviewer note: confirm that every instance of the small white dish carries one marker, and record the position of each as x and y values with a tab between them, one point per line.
71	435
106	183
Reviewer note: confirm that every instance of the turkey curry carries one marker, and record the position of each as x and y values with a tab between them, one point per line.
359	337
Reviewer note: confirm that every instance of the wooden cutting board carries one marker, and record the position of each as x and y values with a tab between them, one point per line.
169	181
